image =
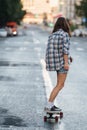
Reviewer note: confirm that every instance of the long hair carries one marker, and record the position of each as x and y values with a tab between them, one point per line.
62	23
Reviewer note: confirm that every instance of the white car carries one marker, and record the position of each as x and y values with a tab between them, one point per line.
77	33
84	32
80	32
3	32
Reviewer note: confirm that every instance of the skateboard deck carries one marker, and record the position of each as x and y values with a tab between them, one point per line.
53	116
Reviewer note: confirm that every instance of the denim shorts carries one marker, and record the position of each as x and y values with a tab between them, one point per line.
62	70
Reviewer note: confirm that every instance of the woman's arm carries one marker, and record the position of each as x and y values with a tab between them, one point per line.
66	48
66	64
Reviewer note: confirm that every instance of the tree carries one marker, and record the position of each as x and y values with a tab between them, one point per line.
81	10
11	10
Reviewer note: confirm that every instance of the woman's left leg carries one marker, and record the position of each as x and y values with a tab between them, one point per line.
61	77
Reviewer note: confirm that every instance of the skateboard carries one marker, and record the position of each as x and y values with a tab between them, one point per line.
53	116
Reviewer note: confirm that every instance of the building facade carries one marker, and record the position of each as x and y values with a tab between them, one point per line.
70	8
51	8
37	6
40	8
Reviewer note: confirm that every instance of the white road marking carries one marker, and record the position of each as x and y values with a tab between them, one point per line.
79	49
7	48
26	42
47	80
75	43
22	48
38	49
36	41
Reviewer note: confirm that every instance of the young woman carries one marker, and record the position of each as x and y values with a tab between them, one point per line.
57	58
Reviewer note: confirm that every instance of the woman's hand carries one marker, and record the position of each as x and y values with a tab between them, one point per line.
66	66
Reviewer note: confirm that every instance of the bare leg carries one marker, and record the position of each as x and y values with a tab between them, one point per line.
61	77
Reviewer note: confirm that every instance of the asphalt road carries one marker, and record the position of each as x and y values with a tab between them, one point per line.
25	85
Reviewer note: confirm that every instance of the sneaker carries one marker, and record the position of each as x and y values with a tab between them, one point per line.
54	109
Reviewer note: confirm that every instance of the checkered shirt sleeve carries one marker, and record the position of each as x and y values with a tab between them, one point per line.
66	44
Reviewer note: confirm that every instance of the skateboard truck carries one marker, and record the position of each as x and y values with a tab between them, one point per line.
53	116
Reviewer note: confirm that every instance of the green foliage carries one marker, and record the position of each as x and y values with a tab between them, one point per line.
73	27
11	10
81	10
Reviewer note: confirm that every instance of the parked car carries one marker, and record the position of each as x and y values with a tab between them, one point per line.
79	32
9	31
84	32
12	29
3	32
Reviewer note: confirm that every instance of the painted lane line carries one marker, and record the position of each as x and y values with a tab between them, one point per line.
22	48
75	43
38	49
36	41
79	49
47	80
26	42
8	48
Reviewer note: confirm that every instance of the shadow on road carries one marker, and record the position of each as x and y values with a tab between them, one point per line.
7	119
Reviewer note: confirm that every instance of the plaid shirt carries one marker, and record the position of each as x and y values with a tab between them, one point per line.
58	45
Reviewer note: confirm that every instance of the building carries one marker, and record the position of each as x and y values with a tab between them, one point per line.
26	4
39	8
70	8
50	8
62	7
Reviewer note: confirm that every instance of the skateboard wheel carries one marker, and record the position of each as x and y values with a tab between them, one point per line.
61	114
56	118
45	118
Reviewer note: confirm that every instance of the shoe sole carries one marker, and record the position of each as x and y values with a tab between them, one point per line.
52	112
